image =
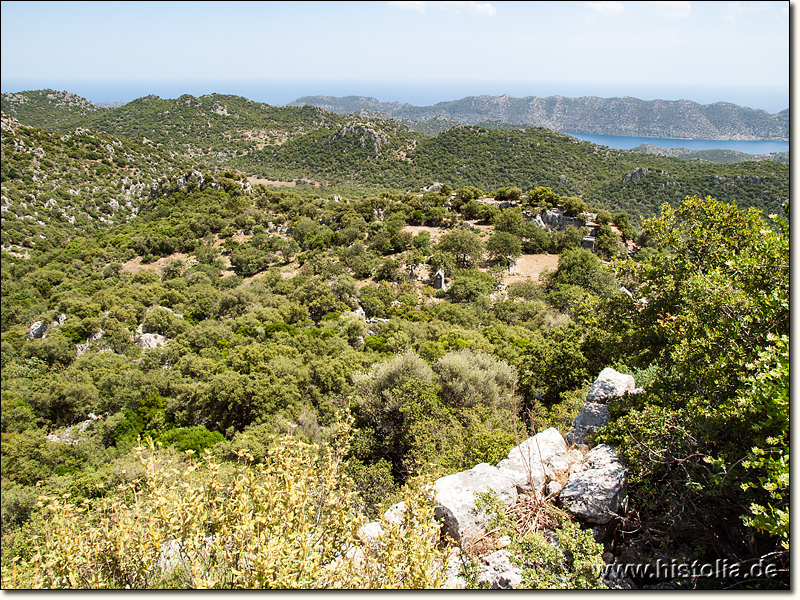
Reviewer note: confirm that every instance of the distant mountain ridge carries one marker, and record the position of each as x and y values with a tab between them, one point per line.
587	114
311	145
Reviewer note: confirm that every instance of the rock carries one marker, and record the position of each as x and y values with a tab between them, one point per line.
455	500
553	488
610	384
593	416
575	456
371	532
597	494
394	514
81	349
500	573
536	459
453	571
556	219
36	331
148	341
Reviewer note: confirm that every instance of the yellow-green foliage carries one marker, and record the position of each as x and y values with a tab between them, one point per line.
291	522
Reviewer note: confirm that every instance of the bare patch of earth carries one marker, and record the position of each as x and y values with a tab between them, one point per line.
257	180
135	265
531	266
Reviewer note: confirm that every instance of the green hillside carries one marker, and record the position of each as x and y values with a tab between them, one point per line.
210	382
233	133
82	181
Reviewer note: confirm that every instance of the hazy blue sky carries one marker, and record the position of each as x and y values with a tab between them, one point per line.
419	52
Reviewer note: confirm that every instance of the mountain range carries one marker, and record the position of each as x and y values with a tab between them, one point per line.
588	114
62	153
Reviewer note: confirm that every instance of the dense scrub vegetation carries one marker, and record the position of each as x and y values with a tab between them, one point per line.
307	143
263	328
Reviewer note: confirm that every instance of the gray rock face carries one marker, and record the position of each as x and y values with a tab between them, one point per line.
537	459
593	416
610	384
596	494
81	349
36	331
556	219
455	500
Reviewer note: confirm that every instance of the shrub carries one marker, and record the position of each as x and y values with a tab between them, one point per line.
196	438
288	523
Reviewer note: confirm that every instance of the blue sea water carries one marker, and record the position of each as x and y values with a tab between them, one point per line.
620	142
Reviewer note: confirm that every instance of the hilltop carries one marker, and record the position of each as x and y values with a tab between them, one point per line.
307	144
587	114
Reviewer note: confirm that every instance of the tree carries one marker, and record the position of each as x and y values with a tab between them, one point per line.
465	245
543	197
603	217
554	364
469	379
509	194
582	268
573	205
511	221
623	223
504	246
607	243
470	286
710	315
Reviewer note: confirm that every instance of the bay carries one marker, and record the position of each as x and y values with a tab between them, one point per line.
621	142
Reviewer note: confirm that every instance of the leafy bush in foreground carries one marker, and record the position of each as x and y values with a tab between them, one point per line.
290	522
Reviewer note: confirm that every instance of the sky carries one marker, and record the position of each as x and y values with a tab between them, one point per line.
417	52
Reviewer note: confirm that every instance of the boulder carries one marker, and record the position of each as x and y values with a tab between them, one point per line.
36	331
596	494
494	571
455	500
553	488
537	459
610	384
593	416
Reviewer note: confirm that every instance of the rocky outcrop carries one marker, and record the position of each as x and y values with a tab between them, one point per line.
592	417
592	487
455	500
597	494
556	219
610	384
538	459
148	341
38	330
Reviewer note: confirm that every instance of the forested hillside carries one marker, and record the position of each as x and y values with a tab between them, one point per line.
311	145
209	382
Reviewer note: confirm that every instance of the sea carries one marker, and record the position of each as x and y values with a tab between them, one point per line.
620	142
281	92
